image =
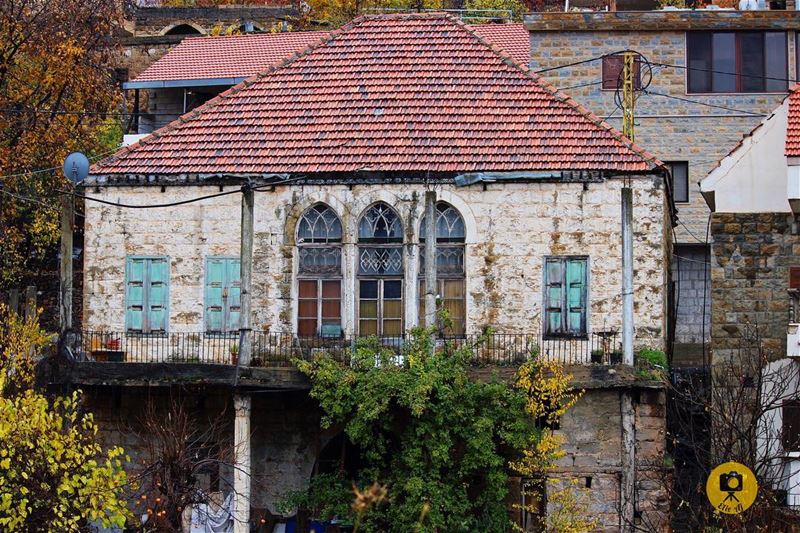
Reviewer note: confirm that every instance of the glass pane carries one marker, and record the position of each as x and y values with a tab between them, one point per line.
320	260
724	50
393	309
776	64
392	289
680	181
380	224
307	309
331	309
751	47
319	225
383	261
392	327
368	309
331	289
368	327
307	327
453	288
308	288
368	289
698	57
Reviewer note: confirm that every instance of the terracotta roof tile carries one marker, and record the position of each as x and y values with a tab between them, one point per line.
230	56
793	125
414	92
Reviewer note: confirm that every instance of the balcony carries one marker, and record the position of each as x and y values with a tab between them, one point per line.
282	349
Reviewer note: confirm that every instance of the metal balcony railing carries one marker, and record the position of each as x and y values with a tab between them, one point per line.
281	349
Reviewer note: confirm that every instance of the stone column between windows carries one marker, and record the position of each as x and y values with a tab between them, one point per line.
411	285
349	293
242	406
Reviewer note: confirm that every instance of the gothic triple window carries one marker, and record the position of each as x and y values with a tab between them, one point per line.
380	272
319	241
450	273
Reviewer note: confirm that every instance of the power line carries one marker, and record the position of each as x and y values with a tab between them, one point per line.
50	169
698	102
735	74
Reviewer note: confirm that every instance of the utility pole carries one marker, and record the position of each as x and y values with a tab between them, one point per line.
627	409
242	401
430	258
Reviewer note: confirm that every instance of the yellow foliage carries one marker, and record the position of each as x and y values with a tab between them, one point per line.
54	475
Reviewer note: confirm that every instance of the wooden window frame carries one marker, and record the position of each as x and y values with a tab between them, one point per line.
738	62
225	311
584	334
319	280
146	330
380	304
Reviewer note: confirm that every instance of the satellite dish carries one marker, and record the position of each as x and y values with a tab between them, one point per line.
76	167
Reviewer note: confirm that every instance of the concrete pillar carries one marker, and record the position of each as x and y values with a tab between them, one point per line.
349	293
242	405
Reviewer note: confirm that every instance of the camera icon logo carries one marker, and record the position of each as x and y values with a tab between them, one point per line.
731	488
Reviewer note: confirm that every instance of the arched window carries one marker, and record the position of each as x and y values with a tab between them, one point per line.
319	243
450	273
380	272
183	29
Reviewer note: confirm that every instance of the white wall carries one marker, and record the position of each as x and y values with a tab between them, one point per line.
753	178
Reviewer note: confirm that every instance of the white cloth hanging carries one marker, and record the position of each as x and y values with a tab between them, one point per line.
211	518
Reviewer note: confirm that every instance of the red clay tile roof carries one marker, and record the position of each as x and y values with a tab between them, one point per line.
513	39
793	125
242	56
230	56
412	92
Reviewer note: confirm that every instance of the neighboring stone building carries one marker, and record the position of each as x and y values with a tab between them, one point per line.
341	144
755	280
691	113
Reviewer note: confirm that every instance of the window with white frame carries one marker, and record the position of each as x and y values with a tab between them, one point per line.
319	242
450	279
380	272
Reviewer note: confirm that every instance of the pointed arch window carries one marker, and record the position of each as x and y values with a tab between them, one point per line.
380	272
450	272
319	243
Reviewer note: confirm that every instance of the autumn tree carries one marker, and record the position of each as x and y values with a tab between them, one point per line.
56	90
54	474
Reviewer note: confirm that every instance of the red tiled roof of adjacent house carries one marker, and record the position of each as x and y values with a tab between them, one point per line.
230	56
412	92
241	56
513	39
793	124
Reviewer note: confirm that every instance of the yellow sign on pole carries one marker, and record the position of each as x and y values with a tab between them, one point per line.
731	488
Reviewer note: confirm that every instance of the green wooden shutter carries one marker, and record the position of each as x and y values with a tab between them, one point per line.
576	296
215	286
134	293
233	283
158	294
554	296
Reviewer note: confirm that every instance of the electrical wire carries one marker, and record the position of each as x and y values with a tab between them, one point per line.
50	169
735	74
698	102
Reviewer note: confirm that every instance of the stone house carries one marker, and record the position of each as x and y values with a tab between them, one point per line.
753	194
338	147
690	115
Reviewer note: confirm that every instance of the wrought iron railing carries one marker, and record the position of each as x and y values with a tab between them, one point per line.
281	349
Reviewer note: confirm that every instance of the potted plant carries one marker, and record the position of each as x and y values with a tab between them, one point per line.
616	357
597	357
234	353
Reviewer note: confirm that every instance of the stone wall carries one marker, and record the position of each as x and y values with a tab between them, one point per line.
751	256
510	228
592	433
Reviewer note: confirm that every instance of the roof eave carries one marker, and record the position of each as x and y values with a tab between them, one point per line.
167	84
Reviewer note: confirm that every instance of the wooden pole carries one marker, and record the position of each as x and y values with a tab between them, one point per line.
430	259
67	228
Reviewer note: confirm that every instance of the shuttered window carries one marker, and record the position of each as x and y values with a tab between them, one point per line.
147	294
566	284
222	294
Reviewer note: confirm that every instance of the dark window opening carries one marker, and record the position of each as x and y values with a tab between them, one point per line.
679	174
183	29
736	62
791	426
